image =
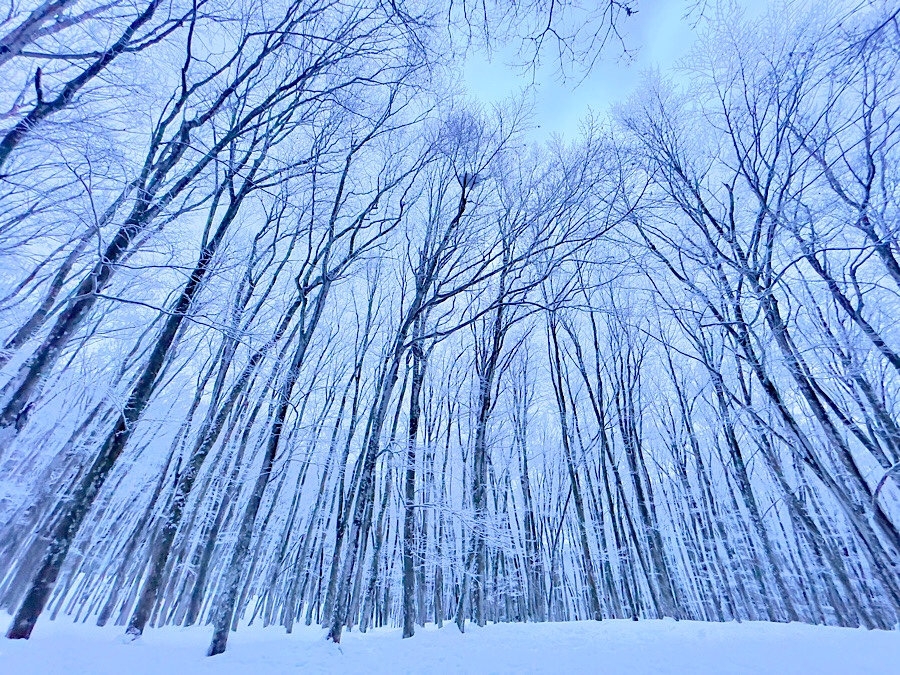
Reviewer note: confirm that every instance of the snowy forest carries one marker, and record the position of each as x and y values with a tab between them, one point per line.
294	331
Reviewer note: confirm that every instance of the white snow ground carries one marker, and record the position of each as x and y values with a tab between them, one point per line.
686	647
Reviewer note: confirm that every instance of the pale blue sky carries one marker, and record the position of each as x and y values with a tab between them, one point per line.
657	36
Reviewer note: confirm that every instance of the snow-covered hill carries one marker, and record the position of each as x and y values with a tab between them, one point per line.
61	648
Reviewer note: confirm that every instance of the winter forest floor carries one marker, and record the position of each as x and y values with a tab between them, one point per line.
60	647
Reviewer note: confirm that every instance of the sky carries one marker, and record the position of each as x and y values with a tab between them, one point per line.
657	36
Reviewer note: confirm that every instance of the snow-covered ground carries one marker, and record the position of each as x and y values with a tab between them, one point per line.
580	647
